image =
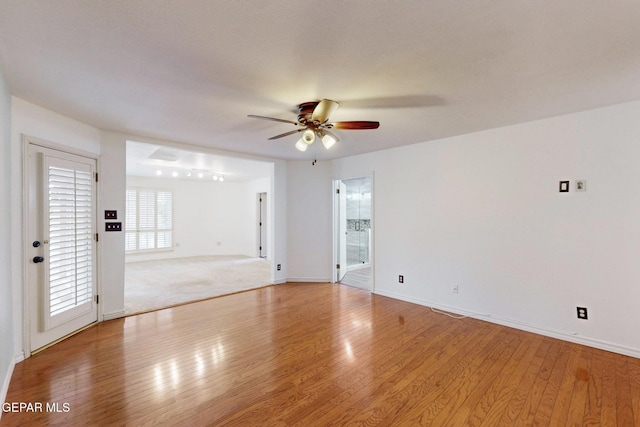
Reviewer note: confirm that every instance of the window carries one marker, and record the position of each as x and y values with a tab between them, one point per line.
149	223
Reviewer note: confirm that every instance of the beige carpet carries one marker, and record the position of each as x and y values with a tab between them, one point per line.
151	285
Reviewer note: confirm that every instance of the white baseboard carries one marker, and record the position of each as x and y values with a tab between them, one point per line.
279	281
309	279
5	384
565	336
115	315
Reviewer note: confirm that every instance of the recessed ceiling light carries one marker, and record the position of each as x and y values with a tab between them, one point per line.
221	178
158	172
215	178
200	175
174	174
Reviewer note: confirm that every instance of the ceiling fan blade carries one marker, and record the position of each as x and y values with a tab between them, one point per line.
323	110
272	119
355	125
287	133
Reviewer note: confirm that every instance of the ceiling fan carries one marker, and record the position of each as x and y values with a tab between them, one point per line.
313	121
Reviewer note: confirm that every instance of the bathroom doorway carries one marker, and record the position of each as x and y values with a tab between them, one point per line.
354	232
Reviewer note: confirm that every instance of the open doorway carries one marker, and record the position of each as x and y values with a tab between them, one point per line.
190	226
353	220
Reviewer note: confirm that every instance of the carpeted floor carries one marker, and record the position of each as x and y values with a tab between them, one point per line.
151	285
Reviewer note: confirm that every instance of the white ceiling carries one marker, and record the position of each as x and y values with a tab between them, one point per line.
190	71
161	161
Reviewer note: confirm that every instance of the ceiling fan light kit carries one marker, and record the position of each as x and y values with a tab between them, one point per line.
308	136
301	145
313	120
328	140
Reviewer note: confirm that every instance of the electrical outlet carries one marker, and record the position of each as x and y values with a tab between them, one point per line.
582	313
401	279
279	267
454	289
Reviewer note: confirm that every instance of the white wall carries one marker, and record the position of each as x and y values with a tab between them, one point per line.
483	211
112	187
7	352
209	218
309	220
279	215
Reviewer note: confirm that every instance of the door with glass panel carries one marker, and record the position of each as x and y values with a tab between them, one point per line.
61	244
353	219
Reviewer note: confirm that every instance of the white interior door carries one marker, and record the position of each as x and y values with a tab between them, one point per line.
342	229
61	279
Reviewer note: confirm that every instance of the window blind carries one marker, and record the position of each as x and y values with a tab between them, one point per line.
71	239
149	219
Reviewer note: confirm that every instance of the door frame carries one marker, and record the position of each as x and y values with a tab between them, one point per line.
336	226
262	224
28	141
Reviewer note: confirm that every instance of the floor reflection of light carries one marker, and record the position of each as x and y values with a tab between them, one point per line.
217	353
347	347
157	370
361	324
175	374
199	365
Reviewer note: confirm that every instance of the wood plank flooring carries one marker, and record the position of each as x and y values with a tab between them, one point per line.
320	355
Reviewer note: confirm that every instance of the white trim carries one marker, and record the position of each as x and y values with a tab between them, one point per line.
561	335
59	147
279	281
19	358
26	321
309	279
113	315
5	384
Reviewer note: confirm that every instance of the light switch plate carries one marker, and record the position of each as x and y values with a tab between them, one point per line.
113	226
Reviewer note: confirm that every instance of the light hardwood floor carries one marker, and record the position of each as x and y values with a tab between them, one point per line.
321	355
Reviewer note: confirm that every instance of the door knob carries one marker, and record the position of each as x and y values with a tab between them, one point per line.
37	259
36	244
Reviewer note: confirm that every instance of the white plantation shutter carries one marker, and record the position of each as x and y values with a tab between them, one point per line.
164	203
149	219
70	224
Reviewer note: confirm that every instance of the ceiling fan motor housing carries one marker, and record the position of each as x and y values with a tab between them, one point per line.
305	111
